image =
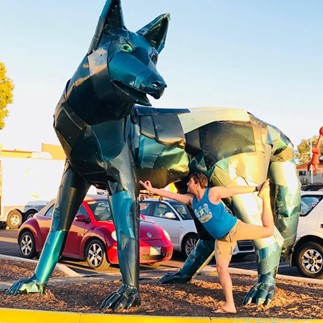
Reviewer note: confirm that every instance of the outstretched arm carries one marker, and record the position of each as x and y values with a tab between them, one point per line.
183	198
217	193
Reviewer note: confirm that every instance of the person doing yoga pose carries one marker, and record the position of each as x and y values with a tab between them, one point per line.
220	224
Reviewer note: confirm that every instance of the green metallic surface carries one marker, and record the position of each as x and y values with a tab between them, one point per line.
266	152
263	291
28	285
127	228
266	259
50	255
197	259
111	142
46	264
153	155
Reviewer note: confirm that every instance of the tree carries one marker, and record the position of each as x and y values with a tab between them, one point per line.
304	150
6	96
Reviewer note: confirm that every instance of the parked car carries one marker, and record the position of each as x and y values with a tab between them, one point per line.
92	236
177	219
313	187
307	255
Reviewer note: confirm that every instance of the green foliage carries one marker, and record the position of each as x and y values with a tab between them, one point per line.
303	152
6	96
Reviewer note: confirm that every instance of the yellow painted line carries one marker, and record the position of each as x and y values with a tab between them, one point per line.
265	320
27	316
9	315
103	318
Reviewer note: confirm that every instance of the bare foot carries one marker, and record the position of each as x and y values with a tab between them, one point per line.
225	309
265	190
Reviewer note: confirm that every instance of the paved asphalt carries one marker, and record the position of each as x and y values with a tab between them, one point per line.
9	246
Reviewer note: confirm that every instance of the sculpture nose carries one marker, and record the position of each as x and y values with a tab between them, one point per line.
159	85
158	89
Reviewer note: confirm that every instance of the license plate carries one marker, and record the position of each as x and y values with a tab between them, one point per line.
155	251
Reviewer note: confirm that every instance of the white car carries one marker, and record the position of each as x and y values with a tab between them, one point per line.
177	219
307	255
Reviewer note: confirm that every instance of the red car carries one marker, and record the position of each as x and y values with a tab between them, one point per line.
92	236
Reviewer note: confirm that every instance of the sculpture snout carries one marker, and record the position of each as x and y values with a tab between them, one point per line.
157	88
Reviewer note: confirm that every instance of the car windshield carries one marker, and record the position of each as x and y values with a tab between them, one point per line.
182	209
144	208
100	210
308	203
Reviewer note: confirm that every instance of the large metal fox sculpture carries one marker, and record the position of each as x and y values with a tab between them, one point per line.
112	143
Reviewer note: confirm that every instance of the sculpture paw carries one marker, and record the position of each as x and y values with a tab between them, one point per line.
27	285
262	292
124	298
174	278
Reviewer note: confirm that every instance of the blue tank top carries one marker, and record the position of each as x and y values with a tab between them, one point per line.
215	219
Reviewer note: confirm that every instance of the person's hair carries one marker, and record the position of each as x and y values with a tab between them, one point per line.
201	179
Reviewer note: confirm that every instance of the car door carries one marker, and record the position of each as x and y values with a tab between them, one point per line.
80	226
310	210
186	225
163	215
45	222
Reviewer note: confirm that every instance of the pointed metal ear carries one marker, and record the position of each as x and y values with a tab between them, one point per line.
110	19
156	31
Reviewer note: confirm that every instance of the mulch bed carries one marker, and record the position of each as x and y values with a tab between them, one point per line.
292	300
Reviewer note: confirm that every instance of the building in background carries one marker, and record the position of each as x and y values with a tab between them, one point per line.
48	151
28	180
307	177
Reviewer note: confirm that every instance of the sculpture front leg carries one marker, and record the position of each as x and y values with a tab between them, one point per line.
47	262
70	195
27	286
126	219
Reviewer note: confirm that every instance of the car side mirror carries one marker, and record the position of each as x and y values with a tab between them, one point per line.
82	218
170	215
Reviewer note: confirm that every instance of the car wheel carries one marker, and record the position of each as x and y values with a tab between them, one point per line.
30	214
27	245
95	255
188	244
14	219
309	259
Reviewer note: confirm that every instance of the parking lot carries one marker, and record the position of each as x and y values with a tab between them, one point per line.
9	247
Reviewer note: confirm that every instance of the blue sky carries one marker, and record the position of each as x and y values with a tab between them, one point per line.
263	56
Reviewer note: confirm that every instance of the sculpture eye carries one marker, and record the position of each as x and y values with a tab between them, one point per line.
126	47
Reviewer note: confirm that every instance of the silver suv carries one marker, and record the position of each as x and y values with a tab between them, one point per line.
177	219
308	249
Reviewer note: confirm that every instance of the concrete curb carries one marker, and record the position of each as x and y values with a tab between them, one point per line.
284	277
63	268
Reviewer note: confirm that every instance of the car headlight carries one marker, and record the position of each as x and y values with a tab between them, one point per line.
114	235
166	234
